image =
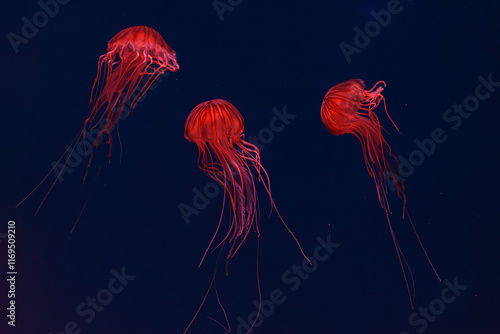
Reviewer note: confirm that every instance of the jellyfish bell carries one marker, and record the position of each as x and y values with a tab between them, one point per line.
134	40
214	120
343	106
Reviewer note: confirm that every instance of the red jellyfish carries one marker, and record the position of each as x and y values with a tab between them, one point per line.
135	59
348	108
136	56
216	127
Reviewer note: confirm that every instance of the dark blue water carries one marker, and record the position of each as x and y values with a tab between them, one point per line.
131	264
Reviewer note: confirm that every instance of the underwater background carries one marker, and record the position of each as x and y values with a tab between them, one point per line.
131	263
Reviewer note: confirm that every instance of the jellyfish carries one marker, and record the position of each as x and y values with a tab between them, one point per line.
135	56
216	127
135	59
349	108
